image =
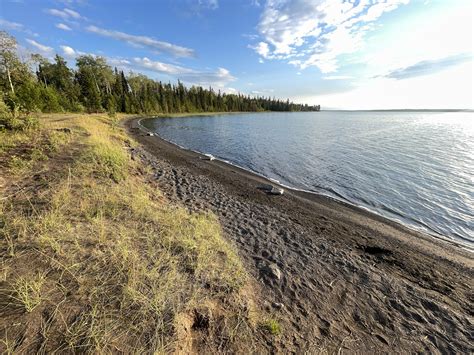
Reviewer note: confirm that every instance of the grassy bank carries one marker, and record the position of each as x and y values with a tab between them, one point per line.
94	259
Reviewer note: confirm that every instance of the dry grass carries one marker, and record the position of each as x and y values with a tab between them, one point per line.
27	291
95	259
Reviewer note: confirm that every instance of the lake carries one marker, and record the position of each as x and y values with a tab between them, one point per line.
413	167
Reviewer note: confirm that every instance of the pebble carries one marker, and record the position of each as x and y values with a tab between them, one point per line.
271	269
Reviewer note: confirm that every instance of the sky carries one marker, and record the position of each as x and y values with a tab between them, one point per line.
341	54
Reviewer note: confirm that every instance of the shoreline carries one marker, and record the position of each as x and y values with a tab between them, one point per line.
343	272
310	194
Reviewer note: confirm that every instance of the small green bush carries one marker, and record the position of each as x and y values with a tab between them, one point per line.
11	119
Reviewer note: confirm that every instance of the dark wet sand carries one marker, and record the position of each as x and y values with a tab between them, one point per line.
350	281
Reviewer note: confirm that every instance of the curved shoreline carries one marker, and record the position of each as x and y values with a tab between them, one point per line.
341	271
309	194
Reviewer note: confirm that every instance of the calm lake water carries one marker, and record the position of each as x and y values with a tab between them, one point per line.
413	167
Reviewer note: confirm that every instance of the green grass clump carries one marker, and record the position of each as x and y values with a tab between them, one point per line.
18	164
272	326
56	140
107	160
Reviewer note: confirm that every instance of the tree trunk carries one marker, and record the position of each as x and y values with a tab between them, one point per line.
10	80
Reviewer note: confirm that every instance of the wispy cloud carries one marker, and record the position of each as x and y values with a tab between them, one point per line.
338	77
43	49
143	41
15	26
9	25
63	27
219	78
211	4
65	14
427	67
196	8
316	32
161	67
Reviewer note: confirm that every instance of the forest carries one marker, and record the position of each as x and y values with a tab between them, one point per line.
36	84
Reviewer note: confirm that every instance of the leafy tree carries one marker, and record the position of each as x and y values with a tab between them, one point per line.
8	57
97	88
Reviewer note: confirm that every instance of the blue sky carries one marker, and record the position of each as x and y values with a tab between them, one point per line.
354	54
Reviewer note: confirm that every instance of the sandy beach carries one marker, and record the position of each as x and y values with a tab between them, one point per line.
340	279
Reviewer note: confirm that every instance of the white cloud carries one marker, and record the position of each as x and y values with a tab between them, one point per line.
65	14
317	32
143	41
40	47
63	27
15	26
421	60
229	90
70	52
218	79
262	49
118	62
72	13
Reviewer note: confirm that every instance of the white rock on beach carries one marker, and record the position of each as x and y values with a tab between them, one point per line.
208	157
272	190
276	191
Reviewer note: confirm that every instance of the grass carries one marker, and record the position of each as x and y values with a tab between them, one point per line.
271	326
125	270
27	291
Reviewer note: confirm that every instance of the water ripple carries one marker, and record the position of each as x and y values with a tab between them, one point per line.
414	167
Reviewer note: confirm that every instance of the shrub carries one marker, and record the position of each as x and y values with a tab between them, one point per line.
11	119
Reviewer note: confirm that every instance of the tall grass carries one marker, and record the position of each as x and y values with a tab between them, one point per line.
129	272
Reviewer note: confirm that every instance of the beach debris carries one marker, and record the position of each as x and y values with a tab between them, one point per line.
208	157
265	187
150	134
278	305
271	190
270	269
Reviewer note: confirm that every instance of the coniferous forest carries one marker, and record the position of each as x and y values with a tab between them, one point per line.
36	84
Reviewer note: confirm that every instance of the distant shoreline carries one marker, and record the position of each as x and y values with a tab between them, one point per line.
403	110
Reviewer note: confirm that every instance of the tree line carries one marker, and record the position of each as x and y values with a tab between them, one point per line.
36	84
